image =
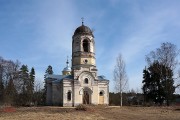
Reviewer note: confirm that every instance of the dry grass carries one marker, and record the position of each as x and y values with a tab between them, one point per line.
92	113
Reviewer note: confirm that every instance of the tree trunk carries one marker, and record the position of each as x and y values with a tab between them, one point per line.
121	99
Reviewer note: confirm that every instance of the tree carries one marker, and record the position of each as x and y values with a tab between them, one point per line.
30	86
24	82
158	83
1	84
24	75
166	55
146	84
8	69
49	70
10	92
1	91
120	77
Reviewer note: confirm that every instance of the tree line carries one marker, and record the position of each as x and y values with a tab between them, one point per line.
16	83
161	77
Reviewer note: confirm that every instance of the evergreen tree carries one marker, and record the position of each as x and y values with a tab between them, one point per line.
158	83
49	70
146	79
1	91
167	54
24	77
30	86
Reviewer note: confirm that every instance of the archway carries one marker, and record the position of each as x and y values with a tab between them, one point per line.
86	96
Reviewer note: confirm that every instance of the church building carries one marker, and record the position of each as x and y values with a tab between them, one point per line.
80	83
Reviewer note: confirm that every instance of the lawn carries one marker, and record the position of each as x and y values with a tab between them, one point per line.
92	113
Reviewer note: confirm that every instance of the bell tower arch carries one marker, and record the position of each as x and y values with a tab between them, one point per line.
83	51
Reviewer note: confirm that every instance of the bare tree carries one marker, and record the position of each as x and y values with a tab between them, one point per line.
167	55
120	76
8	70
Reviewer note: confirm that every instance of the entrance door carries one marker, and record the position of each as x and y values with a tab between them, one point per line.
86	97
101	98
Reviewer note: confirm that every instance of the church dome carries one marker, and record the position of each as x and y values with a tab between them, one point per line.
67	69
83	30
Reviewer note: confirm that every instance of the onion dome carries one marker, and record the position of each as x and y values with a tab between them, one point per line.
67	69
85	30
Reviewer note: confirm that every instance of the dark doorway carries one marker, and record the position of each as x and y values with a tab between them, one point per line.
86	97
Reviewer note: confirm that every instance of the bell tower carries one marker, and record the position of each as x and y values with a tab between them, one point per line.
83	51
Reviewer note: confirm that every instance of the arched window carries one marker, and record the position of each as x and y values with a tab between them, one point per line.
85	46
69	96
86	81
101	93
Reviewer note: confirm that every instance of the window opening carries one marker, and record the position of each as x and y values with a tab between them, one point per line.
86	61
85	46
86	81
69	96
101	93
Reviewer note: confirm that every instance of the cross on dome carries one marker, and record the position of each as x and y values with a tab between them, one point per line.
67	62
82	20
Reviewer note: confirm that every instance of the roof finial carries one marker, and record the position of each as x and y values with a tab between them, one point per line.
82	21
67	62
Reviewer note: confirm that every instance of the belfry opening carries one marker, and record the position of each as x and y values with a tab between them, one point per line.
85	45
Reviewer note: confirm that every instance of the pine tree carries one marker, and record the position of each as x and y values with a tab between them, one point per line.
146	79
1	91
49	70
24	77
30	86
158	83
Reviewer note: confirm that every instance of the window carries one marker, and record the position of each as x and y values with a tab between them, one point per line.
69	96
86	81
85	61
101	93
85	45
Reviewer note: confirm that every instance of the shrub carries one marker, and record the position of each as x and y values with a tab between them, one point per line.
81	107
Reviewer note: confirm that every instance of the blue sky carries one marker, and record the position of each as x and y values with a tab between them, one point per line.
39	32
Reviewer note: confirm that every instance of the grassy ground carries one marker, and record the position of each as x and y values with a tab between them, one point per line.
92	113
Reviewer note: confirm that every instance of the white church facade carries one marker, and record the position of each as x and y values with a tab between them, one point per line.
79	84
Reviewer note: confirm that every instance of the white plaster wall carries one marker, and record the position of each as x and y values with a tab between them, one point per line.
104	86
95	95
49	94
67	86
56	94
77	94
92	88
